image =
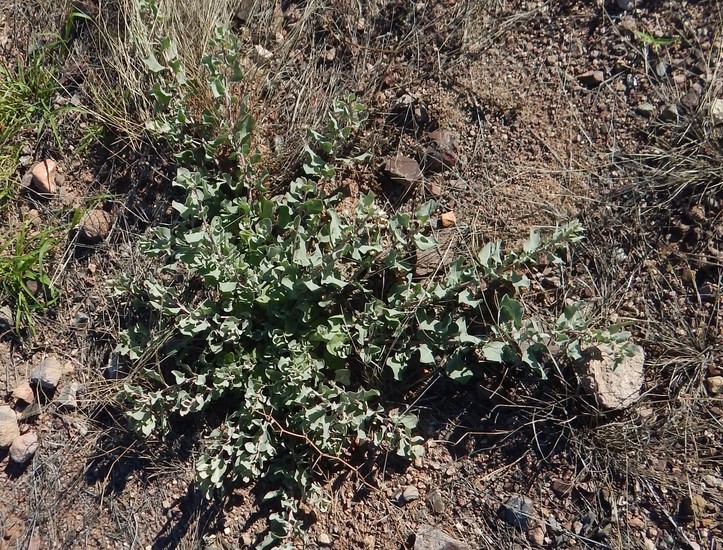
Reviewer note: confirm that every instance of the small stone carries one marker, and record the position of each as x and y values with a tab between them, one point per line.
669	113
43	176
68	398
714	385
9	429
712	481
31	411
636	523
536	535
435	189
560	488
409	493
518	511
591	79
625	5
448	219
24	447
697	213
645	110
261	54
81	320
690	100
403	170
95	226
442	152
324	540
24	393
716	111
661	69
679	79
429	538
435	501
613	382
47	374
577	527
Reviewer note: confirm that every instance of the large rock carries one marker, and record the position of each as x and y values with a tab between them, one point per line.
9	429
429	538
24	447
47	374
613	385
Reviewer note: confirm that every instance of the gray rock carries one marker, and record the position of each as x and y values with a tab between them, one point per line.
626	5
24	447
661	69
435	501
645	109
81	320
429	538
690	100
47	374
669	113
518	511
68	398
613	384
9	429
591	79
409	493
403	170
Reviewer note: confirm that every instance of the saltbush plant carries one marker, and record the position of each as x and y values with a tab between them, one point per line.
278	317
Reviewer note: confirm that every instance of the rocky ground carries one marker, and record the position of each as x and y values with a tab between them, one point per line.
513	115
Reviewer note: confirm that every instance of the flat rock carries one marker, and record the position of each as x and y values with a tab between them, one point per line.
95	226
429	538
403	170
24	447
519	512
43	177
409	493
645	109
47	374
591	79
9	429
614	385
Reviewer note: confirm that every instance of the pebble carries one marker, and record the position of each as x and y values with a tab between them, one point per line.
435	501
591	79
645	110
626	5
442	152
95	226
448	219
409	493
9	429
716	111
714	384
81	320
324	540
43	177
23	447
669	113
47	374
536	535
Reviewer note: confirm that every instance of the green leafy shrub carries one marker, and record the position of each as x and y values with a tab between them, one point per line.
287	315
